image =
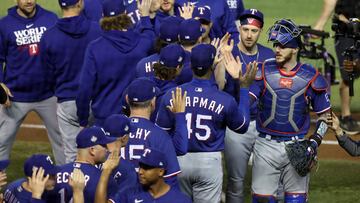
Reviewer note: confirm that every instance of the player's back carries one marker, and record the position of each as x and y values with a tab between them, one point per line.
144	133
207	114
92	175
15	193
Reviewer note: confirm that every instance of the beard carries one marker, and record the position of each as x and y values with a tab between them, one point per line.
283	59
27	12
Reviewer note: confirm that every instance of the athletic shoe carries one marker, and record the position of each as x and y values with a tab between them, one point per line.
349	125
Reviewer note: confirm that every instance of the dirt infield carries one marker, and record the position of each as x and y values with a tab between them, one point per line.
33	130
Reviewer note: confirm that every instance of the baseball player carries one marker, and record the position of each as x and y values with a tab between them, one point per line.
109	64
20	191
222	19
285	90
203	14
91	143
118	126
141	96
238	148
208	112
63	48
27	81
152	188
168	34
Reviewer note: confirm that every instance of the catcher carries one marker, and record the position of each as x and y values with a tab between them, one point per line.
285	90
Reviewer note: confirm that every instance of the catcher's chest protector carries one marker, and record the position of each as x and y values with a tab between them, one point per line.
284	106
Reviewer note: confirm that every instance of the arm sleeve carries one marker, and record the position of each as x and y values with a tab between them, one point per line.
352	147
147	28
86	86
238	116
228	24
320	101
180	137
164	118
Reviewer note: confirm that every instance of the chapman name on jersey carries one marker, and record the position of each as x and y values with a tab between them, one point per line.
204	103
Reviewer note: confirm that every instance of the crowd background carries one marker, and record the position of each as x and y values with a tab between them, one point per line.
325	185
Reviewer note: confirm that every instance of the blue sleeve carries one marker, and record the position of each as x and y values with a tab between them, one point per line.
146	27
45	57
86	86
256	89
180	137
173	167
238	116
165	119
229	24
320	101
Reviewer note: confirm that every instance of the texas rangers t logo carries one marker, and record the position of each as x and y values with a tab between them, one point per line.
253	11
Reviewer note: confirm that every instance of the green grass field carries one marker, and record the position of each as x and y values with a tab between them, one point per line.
335	181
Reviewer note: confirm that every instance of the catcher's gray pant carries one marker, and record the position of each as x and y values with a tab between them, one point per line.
271	165
238	148
69	128
12	117
201	176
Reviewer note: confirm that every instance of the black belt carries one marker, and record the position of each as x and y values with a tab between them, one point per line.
281	138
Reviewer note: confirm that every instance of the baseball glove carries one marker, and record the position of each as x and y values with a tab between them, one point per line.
302	156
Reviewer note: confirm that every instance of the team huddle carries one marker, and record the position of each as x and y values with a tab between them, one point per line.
137	99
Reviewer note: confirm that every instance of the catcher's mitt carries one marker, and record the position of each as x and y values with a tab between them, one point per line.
302	156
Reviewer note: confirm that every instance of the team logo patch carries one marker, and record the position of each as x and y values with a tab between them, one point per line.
286	83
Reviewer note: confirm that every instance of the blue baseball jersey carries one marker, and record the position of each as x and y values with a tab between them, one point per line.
231	86
208	112
145	68
141	195
143	134
15	193
285	98
125	175
24	74
132	11
92	176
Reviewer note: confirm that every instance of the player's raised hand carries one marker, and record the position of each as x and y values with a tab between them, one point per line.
218	46
112	161
247	78
8	93
232	65
144	7
186	10
178	101
226	44
77	180
37	182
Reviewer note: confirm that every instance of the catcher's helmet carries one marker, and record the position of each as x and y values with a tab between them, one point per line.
285	32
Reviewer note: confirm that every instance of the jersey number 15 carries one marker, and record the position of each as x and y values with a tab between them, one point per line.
198	125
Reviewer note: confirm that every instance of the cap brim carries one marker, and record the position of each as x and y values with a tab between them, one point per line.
108	140
143	164
4	164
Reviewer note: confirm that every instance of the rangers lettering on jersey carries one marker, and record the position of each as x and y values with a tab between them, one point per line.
64	177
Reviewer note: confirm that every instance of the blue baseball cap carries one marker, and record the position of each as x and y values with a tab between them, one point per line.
169	29
202	56
190	30
92	136
4	164
66	3
142	89
113	8
203	13
117	125
37	161
253	17
172	55
153	158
